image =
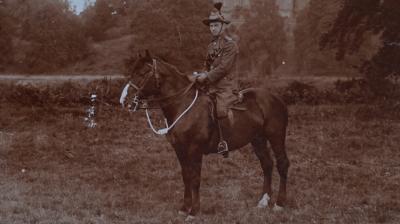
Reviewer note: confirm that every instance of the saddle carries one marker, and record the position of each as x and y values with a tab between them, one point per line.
238	104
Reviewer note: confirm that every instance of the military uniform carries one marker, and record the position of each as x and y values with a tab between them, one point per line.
221	73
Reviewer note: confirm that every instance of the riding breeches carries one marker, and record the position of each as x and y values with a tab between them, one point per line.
223	93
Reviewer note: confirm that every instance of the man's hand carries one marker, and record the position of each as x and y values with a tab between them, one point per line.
192	77
201	77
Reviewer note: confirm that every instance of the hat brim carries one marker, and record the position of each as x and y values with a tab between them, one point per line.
208	21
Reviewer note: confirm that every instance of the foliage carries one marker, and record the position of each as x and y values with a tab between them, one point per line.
55	36
352	91
98	18
40	36
355	23
65	94
171	29
6	50
297	92
262	37
312	22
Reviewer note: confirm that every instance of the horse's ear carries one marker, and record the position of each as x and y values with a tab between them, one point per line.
218	6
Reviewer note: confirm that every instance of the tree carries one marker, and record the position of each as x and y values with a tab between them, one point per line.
54	34
312	23
171	29
6	34
356	23
98	18
262	37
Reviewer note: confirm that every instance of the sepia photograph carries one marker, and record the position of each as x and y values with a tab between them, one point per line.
199	111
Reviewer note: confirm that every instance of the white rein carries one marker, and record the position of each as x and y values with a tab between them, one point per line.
162	131
165	131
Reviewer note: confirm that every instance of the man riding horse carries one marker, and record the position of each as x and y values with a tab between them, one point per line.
191	129
219	69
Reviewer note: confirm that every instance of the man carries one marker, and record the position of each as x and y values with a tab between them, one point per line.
219	65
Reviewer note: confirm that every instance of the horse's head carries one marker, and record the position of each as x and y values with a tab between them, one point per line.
143	75
152	77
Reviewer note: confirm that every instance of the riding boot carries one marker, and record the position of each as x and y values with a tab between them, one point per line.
222	145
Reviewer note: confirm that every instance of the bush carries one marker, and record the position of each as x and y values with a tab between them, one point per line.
353	91
297	92
356	91
108	92
63	95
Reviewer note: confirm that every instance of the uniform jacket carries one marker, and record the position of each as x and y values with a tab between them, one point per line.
221	68
221	60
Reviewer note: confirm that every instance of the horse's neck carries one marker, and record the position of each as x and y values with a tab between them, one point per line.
172	108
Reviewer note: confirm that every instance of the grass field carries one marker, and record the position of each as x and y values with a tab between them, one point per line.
344	169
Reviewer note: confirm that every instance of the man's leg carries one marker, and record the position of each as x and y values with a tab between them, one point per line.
223	98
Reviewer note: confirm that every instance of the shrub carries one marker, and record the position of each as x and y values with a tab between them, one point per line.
63	95
297	92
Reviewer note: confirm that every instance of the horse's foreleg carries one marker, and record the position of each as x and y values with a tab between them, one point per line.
186	176
187	197
196	163
262	152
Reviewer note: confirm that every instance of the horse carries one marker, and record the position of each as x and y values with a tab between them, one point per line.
195	134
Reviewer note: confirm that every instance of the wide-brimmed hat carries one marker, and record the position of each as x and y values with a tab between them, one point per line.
216	15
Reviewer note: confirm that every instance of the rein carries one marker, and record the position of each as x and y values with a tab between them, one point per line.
164	131
181	92
160	100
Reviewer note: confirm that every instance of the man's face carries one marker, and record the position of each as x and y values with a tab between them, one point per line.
216	28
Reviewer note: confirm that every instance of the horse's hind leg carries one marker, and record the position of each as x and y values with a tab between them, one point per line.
277	141
262	152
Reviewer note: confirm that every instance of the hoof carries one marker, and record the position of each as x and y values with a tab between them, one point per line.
190	218
263	203
277	208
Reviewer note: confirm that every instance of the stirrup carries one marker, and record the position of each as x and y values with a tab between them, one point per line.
223	148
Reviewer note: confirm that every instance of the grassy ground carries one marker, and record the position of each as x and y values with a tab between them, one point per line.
344	169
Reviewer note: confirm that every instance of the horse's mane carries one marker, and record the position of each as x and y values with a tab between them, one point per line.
131	62
173	69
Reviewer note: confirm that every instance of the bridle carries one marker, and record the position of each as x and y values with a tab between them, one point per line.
137	102
140	103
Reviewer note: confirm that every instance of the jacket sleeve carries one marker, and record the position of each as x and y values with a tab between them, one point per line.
228	58
207	63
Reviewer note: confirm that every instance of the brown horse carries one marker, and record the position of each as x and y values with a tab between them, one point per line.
196	134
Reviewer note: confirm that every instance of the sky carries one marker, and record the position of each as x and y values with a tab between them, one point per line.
79	5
